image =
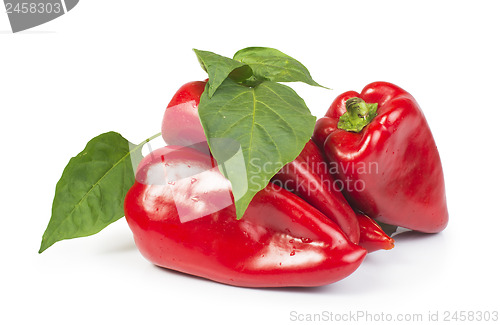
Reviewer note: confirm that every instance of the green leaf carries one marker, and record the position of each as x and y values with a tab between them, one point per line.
90	194
273	65
270	123
220	67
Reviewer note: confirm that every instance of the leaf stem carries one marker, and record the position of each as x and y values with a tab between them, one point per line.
149	139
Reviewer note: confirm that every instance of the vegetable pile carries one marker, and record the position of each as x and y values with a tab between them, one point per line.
250	189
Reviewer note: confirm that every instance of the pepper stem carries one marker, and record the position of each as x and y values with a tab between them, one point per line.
359	114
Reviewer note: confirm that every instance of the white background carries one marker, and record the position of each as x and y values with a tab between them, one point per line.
115	64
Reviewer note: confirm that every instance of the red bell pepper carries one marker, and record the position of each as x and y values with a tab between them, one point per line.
181	126
181	212
386	157
308	177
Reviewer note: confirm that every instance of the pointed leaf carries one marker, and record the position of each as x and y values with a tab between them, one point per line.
220	67
273	65
270	123
90	194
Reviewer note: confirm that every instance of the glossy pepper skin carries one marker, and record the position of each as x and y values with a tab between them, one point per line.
404	185
308	177
373	238
181	213
181	124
